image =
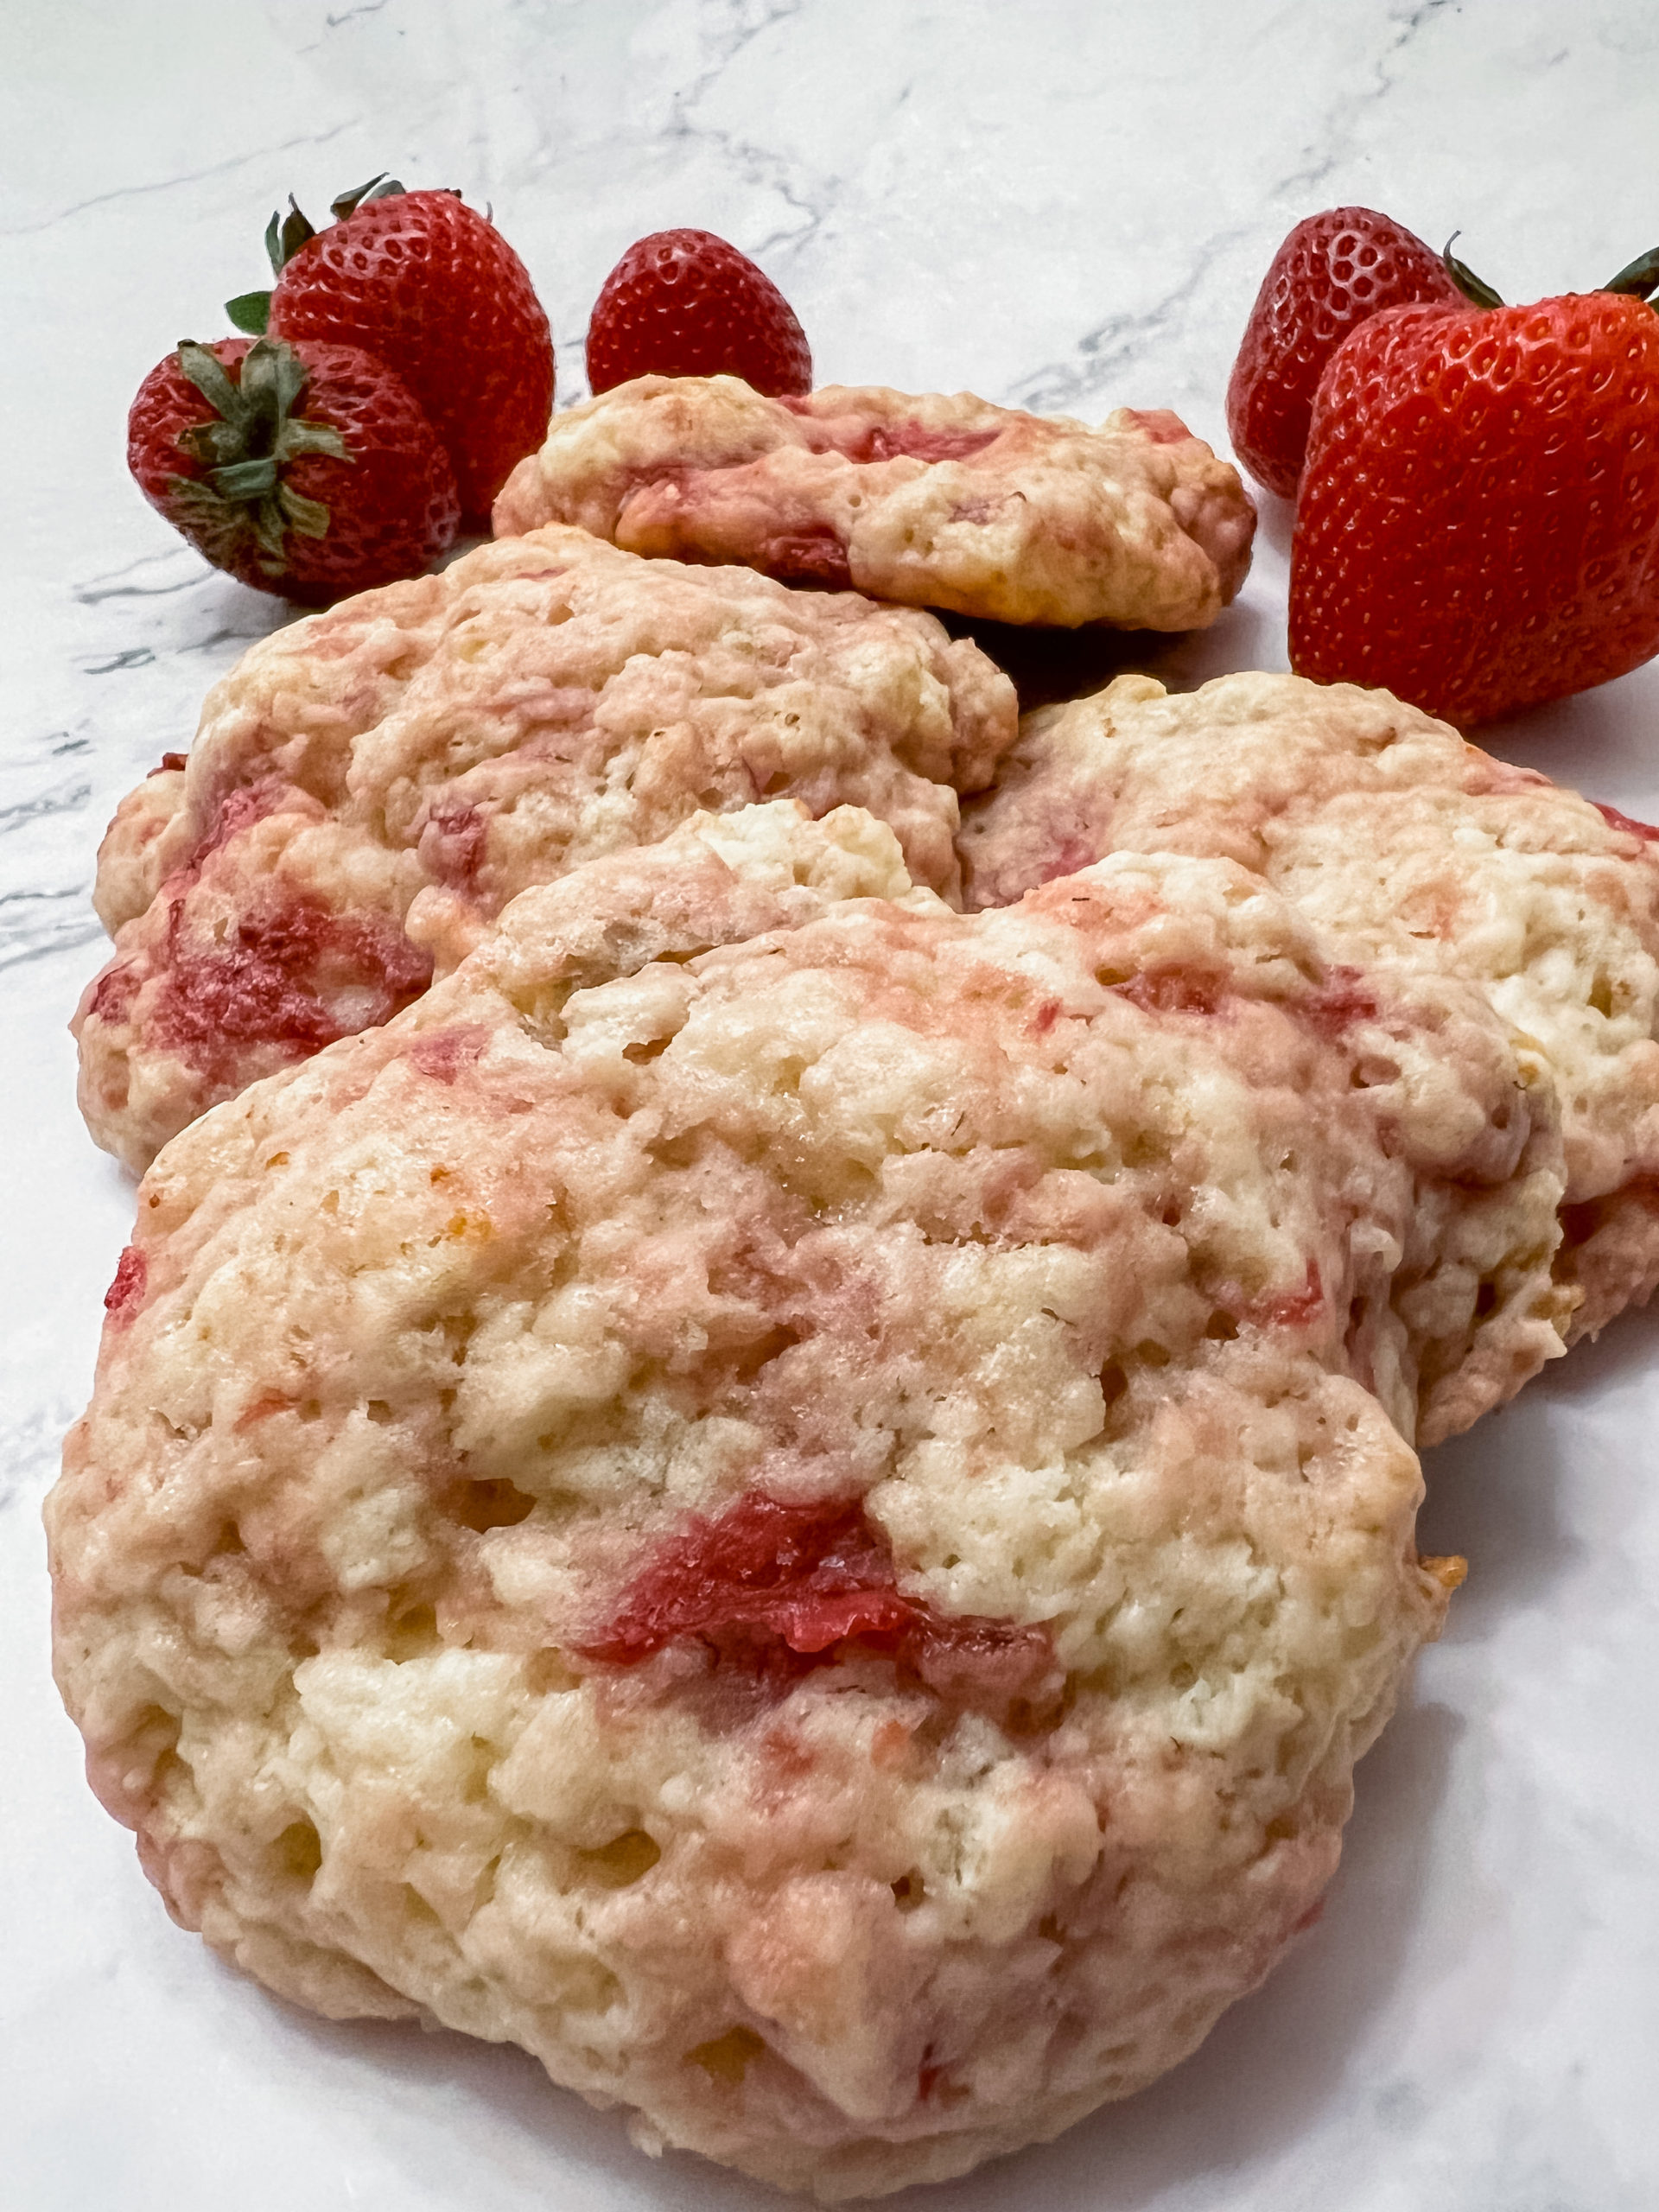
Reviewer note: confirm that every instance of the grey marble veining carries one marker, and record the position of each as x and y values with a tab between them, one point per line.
1068	205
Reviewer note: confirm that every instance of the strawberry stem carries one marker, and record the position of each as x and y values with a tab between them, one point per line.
1472	287
246	479
285	235
1638	278
382	186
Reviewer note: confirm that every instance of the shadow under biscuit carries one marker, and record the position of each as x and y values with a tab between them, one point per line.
462	2122
1048	665
1503	1493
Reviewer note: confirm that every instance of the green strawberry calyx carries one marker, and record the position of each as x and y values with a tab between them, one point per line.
1637	280
1472	287
286	234
245	449
381	186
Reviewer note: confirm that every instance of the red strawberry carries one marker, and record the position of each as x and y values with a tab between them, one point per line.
433	288
354	491
1331	273
683	303
1477	526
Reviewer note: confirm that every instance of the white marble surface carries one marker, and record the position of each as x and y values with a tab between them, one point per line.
1065	204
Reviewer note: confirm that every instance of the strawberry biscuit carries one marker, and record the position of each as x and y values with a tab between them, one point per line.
1413	852
373	784
769	1493
936	501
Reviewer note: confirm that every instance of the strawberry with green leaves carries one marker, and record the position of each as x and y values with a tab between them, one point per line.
1477	518
306	470
433	288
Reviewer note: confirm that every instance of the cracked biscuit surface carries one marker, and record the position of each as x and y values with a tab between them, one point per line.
369	786
933	499
1414	850
770	1494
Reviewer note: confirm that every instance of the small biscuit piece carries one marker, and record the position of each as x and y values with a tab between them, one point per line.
1414	850
370	786
767	1493
934	500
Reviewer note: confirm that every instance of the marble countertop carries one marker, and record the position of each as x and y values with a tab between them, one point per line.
1066	206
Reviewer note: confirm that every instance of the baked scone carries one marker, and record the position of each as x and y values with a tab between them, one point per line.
372	784
1415	851
768	1492
935	500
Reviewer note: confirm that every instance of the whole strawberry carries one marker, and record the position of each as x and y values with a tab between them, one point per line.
1332	271
433	288
1477	523
683	303
306	470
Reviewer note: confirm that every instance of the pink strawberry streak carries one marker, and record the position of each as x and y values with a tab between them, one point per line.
874	442
442	1053
238	811
1290	1309
815	556
276	977
265	983
453	845
1159	425
771	1586
808	1574
113	992
126	1293
1174	990
1341	998
1615	820
1276	1309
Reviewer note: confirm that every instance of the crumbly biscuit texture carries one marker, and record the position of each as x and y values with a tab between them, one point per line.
1412	848
769	1494
371	786
933	499
128	863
